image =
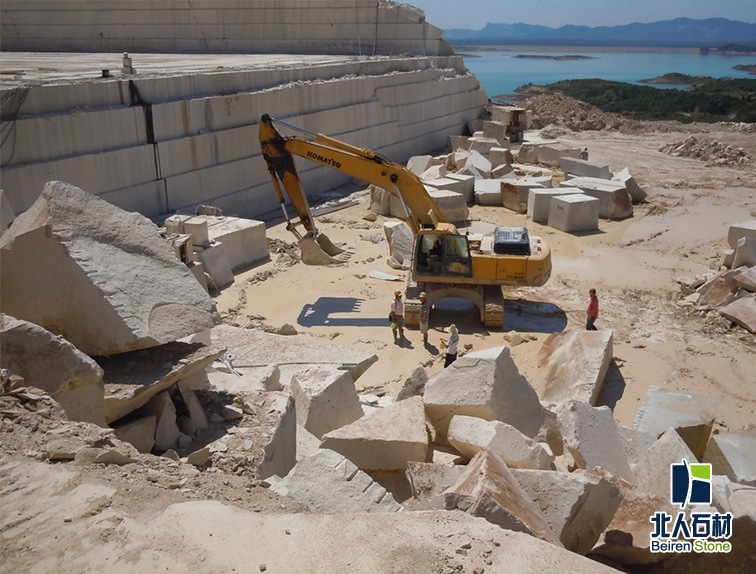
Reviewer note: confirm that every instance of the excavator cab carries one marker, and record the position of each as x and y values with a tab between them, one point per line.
442	255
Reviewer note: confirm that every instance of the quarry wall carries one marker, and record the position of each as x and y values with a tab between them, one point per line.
360	27
157	144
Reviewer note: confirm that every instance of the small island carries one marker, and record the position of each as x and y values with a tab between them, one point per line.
676	78
565	57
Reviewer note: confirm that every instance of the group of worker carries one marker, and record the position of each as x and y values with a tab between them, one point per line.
397	326
452	343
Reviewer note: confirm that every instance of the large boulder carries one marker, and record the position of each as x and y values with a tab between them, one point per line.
386	440
592	437
325	399
691	415
54	365
470	435
578	507
118	285
576	364
484	384
488	489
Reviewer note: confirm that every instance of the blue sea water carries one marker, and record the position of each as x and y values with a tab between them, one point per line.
499	72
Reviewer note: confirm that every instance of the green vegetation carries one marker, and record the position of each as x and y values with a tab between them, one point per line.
713	101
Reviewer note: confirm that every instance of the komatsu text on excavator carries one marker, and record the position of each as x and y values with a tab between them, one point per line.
445	263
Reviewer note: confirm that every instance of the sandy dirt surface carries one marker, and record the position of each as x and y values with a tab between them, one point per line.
633	264
157	514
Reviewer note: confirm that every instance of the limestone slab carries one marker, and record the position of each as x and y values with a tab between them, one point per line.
484	384
583	168
400	240
328	483
745	253
691	415
119	285
280	448
488	489
635	443
746	280
386	440
488	192
166	430
470	435
592	437
576	363
292	354
326	399
467	183
577	507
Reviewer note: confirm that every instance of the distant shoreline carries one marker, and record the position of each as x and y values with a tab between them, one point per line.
571	49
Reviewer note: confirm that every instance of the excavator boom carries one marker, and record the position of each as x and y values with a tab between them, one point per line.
361	163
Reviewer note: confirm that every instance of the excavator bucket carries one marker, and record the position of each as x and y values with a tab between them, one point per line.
319	251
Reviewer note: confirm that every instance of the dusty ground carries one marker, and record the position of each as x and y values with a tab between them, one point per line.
81	517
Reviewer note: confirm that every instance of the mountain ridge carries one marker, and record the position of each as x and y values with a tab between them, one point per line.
710	32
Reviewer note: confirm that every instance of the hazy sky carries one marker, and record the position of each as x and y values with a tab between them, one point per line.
474	14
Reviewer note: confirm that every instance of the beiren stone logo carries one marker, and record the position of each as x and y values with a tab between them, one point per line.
690	530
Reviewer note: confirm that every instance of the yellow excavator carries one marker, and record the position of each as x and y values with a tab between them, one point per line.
445	263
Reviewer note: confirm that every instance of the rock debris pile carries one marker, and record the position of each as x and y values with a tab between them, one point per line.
715	154
731	290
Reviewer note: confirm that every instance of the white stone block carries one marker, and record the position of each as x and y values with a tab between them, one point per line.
745	253
386	440
380	200
496	130
743	229
470	435
552	154
400	240
326	399
417	164
488	192
452	204
592	437
434	172
216	264
280	446
574	212
468	185
483	145
615	200
637	193
244	240
741	312
539	201
635	443
484	384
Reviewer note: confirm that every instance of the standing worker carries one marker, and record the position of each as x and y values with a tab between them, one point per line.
592	311
451	345
584	154
424	316
397	315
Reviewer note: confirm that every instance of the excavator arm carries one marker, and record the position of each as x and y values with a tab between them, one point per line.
361	163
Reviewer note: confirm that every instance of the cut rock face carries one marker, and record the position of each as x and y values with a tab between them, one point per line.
118	284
